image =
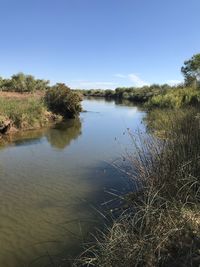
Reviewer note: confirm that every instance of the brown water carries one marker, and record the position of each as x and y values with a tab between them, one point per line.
52	181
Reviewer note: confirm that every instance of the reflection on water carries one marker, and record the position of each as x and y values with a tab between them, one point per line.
59	136
62	134
51	180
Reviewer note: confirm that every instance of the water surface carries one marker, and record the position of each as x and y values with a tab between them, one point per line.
53	179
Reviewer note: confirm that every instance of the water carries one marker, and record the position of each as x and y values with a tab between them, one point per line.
52	181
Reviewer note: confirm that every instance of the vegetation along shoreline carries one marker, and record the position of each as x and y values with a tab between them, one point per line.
161	224
27	103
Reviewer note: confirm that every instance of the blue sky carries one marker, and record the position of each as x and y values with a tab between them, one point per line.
99	43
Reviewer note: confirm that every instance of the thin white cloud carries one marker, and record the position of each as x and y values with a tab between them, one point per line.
128	80
137	80
119	75
133	78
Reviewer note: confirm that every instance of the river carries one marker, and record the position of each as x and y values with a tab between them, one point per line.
54	182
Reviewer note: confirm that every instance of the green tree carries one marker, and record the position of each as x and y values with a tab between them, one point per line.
24	83
42	85
30	83
191	70
18	83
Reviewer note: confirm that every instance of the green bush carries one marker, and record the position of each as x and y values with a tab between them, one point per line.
175	98
62	100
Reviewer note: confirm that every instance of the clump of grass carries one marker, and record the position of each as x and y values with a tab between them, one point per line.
24	113
151	236
161	226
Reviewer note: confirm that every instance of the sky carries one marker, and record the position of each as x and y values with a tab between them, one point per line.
99	43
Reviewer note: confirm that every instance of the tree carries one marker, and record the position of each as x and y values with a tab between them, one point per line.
18	82
25	83
191	70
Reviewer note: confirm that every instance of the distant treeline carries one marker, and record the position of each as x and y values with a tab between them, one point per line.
163	96
23	83
137	94
157	95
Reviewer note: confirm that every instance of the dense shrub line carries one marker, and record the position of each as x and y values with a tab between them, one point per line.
162	96
136	94
176	98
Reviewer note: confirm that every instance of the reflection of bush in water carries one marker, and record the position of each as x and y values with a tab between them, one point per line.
64	133
123	102
23	138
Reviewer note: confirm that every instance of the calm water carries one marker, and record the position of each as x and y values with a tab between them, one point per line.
52	180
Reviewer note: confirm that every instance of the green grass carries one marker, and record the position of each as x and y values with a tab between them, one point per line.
24	113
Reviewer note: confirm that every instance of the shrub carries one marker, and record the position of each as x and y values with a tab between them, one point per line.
62	100
176	98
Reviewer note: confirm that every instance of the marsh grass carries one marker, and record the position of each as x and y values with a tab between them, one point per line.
24	113
161	224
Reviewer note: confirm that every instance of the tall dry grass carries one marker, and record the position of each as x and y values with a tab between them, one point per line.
23	113
161	224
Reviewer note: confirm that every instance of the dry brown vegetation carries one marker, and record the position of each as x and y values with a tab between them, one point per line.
16	95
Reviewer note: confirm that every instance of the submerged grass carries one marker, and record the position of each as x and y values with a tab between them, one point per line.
161	226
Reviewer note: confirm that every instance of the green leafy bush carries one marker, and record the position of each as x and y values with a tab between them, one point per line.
62	100
175	98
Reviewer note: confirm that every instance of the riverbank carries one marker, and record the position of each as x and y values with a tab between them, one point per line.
23	112
162	165
33	110
161	225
